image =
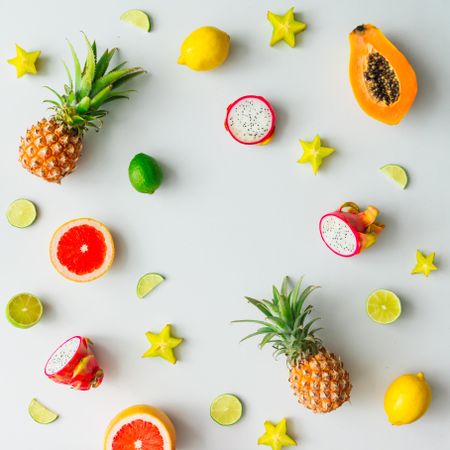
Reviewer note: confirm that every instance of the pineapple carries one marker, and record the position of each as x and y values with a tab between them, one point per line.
52	147
316	376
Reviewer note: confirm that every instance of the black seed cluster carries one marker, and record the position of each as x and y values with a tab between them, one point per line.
382	81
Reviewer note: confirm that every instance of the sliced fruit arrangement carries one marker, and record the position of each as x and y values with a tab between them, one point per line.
383	306
24	310
145	173
147	283
82	249
285	27
162	344
314	153
396	173
140	427
137	18
250	120
407	399
40	413
52	147
21	213
424	264
348	230
226	409
276	436
287	326
74	363
205	49
25	62
383	81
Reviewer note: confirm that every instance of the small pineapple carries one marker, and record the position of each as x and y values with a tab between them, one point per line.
52	147
316	376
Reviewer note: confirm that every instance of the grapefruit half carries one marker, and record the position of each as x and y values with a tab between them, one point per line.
140	427
82	249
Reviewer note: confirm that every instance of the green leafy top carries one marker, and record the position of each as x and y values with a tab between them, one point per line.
287	325
90	88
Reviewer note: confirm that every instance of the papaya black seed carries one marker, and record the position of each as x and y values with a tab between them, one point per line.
381	79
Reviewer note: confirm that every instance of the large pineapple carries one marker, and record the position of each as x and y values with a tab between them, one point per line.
317	377
52	147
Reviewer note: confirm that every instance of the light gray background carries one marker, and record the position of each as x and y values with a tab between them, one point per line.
229	221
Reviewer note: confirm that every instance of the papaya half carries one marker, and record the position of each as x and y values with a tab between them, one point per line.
383	81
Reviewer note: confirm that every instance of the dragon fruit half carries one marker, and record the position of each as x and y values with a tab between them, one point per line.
251	120
348	231
74	363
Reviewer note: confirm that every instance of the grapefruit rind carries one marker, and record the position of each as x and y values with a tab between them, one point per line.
147	414
109	256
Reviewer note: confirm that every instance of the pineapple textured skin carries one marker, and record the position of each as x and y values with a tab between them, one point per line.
320	382
50	150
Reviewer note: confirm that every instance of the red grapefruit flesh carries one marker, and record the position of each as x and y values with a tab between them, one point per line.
82	250
140	427
138	434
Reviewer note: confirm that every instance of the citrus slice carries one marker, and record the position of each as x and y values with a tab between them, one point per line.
21	213
41	414
24	310
140	427
383	306
137	18
396	173
147	283
226	409
82	250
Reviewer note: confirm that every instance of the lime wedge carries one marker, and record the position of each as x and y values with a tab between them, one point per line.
396	173
137	18
21	213
24	310
147	283
383	306
226	409
40	414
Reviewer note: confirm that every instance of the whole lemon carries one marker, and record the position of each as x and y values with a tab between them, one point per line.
205	49
407	399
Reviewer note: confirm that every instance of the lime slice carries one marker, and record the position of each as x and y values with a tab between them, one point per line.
226	409
147	283
137	18
396	173
21	213
24	310
40	414
383	306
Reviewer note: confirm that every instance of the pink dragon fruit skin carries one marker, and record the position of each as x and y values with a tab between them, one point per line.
74	363
348	230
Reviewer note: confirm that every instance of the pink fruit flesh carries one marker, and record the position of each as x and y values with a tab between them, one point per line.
339	236
250	120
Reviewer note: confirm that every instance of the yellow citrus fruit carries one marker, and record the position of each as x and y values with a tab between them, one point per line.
407	399
140	426
205	49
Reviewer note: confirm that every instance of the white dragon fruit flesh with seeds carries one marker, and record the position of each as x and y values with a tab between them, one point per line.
250	120
62	356
339	236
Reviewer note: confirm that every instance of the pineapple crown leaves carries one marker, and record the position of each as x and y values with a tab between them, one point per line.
88	89
287	325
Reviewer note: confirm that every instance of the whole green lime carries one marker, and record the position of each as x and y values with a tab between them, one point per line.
144	173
